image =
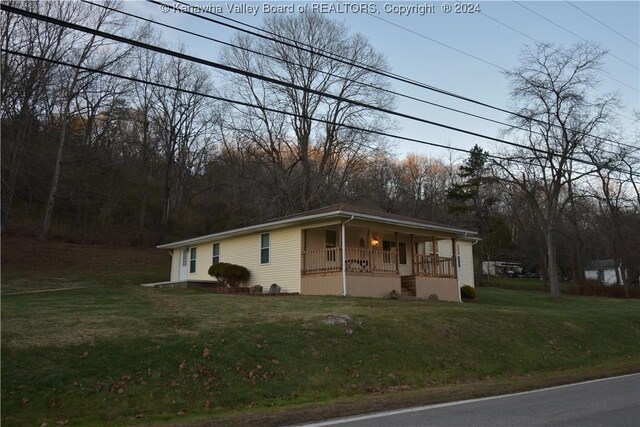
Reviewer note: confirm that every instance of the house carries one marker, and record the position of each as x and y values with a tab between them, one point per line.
338	250
502	268
604	271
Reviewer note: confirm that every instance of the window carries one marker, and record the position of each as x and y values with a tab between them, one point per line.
215	258
264	248
402	248
601	275
330	238
192	261
387	247
458	255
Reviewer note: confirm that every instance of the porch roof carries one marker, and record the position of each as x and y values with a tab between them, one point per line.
338	211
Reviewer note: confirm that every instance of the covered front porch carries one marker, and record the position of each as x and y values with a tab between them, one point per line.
369	259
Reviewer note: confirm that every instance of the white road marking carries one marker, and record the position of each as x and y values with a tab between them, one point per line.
460	402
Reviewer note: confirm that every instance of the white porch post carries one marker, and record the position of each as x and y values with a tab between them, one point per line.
343	241
454	252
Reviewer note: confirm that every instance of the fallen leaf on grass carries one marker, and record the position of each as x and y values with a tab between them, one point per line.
118	387
62	422
206	353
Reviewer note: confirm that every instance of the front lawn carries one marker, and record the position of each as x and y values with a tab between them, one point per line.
116	353
134	355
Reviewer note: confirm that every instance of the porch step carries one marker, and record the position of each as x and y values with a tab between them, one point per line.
408	285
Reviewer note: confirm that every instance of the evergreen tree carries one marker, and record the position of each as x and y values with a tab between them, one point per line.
473	200
468	197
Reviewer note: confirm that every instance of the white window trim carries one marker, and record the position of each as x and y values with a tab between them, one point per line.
213	252
265	247
184	253
193	251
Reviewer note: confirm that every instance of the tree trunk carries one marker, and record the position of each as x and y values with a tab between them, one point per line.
46	222
552	268
16	161
143	214
9	191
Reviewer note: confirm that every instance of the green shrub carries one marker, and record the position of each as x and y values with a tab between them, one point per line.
229	274
468	292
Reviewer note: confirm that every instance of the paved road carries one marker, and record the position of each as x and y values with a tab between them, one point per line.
599	403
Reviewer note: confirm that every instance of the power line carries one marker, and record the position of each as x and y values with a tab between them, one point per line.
437	41
311	68
572	33
272	80
321	52
236	102
265	78
269	109
604	73
602	23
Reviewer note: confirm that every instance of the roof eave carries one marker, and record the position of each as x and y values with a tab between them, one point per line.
471	235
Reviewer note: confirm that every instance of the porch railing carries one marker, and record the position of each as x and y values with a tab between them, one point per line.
358	260
371	261
321	261
434	266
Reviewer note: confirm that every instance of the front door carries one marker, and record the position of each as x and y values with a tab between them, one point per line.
183	265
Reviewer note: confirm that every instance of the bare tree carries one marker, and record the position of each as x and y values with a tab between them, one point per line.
552	91
181	124
25	83
306	159
84	50
616	196
424	181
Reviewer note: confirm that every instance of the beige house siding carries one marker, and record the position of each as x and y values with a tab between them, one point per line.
355	236
315	237
175	264
358	285
362	285
283	268
465	272
444	247
445	288
322	284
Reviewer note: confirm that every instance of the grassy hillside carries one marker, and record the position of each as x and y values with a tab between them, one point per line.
28	265
591	288
113	352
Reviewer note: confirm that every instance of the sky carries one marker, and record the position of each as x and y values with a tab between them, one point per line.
465	53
